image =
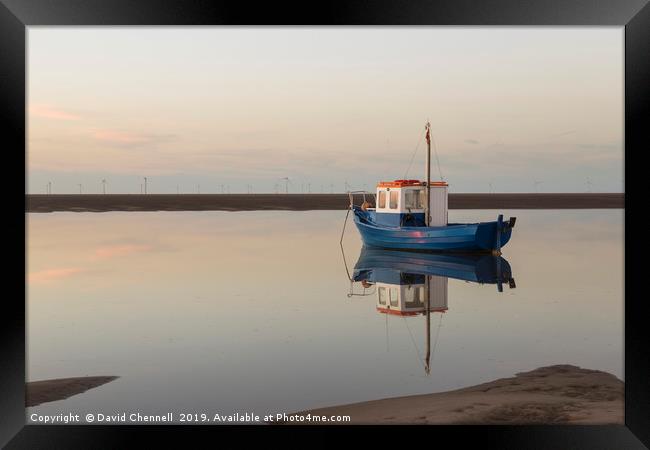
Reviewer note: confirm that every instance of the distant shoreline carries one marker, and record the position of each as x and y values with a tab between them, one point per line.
35	203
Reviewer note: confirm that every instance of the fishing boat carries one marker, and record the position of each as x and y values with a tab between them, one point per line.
413	215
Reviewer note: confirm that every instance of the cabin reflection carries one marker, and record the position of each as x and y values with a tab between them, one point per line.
410	284
409	295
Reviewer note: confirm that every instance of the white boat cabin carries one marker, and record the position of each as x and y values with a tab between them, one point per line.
402	203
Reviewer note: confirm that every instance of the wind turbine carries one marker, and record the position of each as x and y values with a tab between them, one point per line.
286	184
79	188
104	185
145	185
537	183
588	184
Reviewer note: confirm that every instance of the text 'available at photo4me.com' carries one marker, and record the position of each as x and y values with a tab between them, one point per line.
189	417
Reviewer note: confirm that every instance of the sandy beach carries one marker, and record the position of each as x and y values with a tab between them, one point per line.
302	202
37	392
561	394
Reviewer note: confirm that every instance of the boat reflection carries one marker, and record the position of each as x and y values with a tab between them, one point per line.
412	284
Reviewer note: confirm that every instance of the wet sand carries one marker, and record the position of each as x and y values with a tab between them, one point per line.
302	202
37	392
561	394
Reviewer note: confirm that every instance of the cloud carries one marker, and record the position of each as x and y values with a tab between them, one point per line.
50	112
48	275
131	139
112	251
471	141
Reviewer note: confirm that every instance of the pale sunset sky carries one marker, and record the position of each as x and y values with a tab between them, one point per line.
513	109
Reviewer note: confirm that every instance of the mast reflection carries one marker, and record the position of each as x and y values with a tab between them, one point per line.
411	284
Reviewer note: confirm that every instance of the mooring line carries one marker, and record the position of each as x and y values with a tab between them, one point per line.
341	244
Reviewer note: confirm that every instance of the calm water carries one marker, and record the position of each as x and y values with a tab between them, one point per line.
248	311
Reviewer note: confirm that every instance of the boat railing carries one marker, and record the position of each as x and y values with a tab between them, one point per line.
363	193
367	291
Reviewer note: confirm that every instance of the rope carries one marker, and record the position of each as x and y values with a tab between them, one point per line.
435	150
341	244
413	156
417	350
435	342
387	348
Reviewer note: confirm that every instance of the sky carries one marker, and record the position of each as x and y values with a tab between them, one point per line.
237	109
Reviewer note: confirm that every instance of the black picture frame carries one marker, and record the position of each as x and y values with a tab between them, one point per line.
634	15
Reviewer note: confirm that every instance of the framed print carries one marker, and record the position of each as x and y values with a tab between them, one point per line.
296	223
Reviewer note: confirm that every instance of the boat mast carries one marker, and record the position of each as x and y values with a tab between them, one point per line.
427	216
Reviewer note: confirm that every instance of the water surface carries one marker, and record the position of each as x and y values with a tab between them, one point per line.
249	311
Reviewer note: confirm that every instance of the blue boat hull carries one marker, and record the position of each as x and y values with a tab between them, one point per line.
473	237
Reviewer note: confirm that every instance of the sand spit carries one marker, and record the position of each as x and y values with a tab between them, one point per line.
37	392
561	394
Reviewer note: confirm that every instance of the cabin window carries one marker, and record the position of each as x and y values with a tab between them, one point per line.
382	295
414	199
420	199
393	297
394	196
382	199
409	199
408	293
412	297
